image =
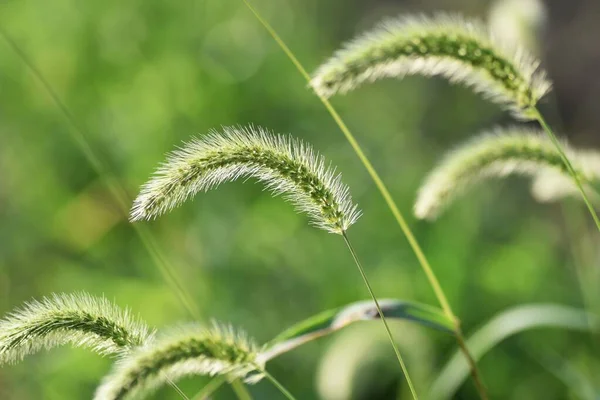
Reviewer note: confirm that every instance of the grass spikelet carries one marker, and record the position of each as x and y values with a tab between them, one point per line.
462	51
78	319
553	185
186	351
497	154
285	165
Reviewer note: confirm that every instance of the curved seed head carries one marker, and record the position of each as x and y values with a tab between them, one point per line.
78	319
190	350
502	152
462	51
286	166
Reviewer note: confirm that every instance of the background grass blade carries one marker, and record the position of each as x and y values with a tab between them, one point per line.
567	372
330	321
502	326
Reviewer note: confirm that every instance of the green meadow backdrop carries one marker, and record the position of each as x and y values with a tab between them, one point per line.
96	92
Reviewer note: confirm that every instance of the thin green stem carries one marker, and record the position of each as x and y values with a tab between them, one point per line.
581	254
412	241
278	385
115	188
210	388
472	364
385	324
567	162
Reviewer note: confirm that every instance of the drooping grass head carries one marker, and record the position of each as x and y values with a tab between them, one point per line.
78	319
462	51
502	152
286	166
186	351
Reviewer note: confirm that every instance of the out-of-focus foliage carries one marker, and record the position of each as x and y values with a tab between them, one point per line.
140	77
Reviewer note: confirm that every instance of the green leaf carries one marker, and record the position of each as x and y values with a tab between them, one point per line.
330	321
502	326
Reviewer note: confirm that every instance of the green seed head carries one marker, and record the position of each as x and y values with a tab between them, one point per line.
460	50
502	152
187	351
77	319
286	166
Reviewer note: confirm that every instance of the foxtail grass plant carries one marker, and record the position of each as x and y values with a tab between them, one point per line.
385	193
499	153
460	50
146	361
450	46
77	319
184	351
286	166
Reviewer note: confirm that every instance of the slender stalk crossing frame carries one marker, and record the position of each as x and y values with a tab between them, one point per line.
554	140
385	324
433	281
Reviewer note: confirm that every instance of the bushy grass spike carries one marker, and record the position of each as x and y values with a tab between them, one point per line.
78	319
189	350
463	51
502	152
286	166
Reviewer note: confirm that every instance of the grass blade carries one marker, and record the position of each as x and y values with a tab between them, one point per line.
330	321
508	323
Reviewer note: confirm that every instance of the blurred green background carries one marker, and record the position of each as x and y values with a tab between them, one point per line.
139	77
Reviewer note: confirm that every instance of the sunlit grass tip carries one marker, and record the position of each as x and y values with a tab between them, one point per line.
184	351
462	50
78	319
501	152
285	165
